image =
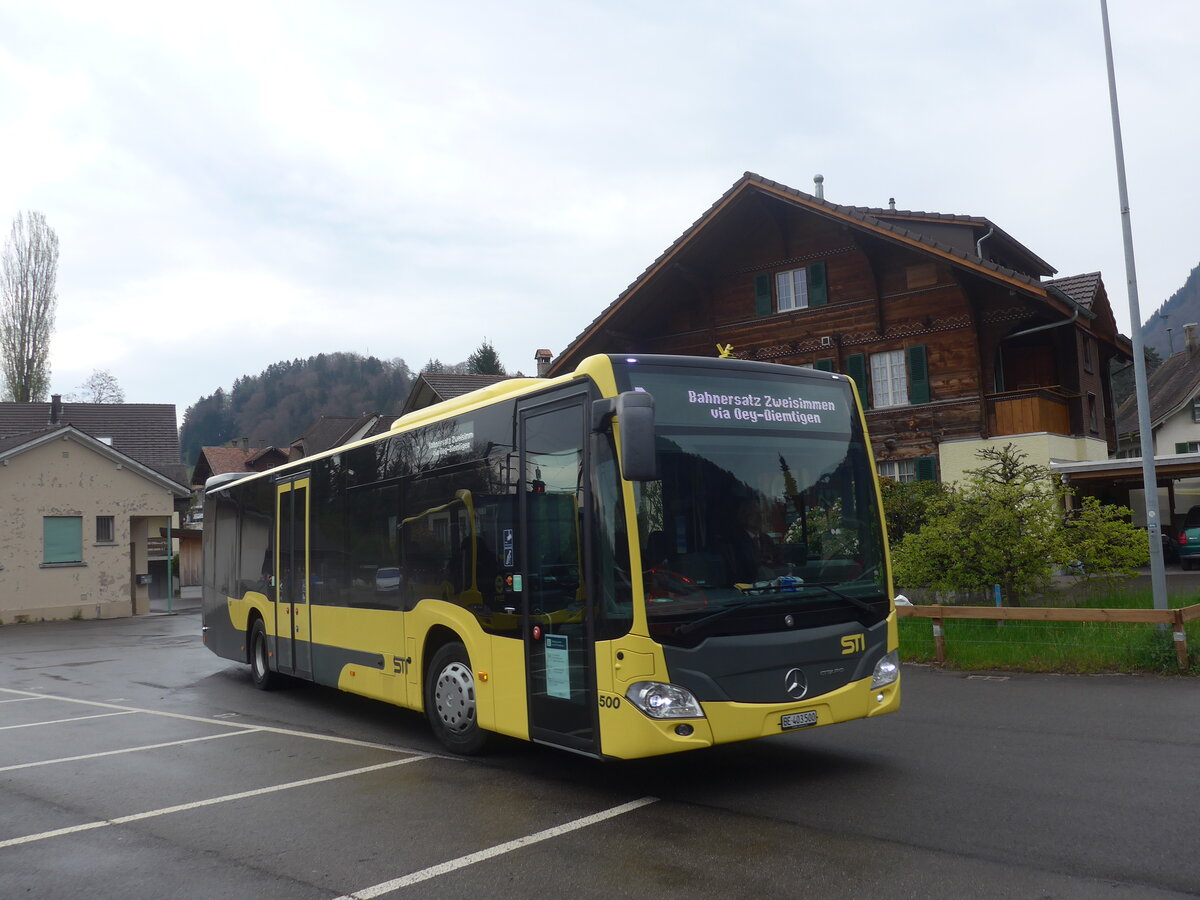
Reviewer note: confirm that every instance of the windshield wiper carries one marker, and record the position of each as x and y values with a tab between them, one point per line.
791	596
689	627
854	601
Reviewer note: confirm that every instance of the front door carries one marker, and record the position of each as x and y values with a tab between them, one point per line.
552	547
293	643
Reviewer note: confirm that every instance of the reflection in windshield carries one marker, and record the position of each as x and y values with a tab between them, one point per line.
741	522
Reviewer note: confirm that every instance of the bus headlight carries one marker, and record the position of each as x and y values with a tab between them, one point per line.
664	701
887	670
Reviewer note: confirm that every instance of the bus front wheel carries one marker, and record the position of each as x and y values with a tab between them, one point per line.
260	658
450	701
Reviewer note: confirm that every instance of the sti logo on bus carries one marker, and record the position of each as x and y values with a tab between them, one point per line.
853	643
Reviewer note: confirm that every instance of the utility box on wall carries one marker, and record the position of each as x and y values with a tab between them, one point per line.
143	580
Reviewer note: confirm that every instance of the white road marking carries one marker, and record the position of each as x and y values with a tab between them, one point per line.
63	759
471	858
19	699
126	712
185	807
30	695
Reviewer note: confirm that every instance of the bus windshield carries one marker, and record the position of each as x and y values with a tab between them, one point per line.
764	516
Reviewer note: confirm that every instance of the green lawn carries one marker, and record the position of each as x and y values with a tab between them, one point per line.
1075	647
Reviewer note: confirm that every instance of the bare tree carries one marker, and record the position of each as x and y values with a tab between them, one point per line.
100	387
27	307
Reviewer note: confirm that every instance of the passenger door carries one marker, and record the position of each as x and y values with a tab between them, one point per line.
555	617
293	640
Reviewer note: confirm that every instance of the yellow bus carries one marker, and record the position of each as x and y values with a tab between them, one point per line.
649	555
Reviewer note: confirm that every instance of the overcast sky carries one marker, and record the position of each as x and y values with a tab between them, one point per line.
238	184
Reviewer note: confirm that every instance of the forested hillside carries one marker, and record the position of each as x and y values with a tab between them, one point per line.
276	406
1182	308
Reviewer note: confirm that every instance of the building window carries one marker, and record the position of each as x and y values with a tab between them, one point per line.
1093	422
791	290
889	379
794	289
62	539
1196	409
902	470
105	533
1089	355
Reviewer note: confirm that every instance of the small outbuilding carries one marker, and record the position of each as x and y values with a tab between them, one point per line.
83	523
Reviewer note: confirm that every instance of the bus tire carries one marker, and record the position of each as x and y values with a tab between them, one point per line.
450	703
260	659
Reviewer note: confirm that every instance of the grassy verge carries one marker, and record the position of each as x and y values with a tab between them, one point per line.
1076	647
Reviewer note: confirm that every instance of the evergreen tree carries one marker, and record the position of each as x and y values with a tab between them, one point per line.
485	361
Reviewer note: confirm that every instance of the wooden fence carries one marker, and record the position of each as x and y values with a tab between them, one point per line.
1173	617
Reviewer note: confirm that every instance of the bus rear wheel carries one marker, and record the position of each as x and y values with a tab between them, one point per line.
450	701
260	659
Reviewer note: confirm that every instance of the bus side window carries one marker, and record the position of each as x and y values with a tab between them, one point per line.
225	538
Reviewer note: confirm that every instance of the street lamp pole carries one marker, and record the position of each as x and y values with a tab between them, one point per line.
1158	578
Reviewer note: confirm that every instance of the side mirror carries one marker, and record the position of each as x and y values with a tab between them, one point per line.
635	415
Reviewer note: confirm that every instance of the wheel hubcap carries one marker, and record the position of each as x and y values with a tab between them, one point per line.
260	657
454	698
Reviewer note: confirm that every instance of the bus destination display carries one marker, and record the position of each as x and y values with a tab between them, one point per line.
791	404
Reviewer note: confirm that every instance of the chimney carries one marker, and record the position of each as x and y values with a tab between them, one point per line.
245	445
55	408
1190	338
891	203
543	358
819	181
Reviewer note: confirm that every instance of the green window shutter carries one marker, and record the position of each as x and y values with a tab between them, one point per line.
856	368
818	290
762	295
62	539
1181	448
824	365
926	468
918	375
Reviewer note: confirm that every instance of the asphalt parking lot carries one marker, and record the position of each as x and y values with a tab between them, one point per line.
136	764
111	795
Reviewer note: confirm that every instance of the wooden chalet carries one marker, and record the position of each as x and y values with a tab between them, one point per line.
954	332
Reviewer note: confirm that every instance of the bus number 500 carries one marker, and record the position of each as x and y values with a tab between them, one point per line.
608	701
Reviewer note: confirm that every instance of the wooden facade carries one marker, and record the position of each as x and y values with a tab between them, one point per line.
988	347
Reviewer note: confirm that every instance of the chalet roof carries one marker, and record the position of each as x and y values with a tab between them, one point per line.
913	229
434	387
932	224
225	459
15	444
333	431
220	460
1082	289
1169	388
145	432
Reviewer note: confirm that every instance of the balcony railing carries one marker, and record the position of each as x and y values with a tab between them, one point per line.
1033	410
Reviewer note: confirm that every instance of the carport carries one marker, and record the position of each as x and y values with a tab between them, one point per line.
1119	481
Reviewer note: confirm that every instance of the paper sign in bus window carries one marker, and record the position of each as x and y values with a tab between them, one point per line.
558	669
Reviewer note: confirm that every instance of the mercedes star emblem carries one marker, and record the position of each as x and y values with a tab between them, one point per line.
795	684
